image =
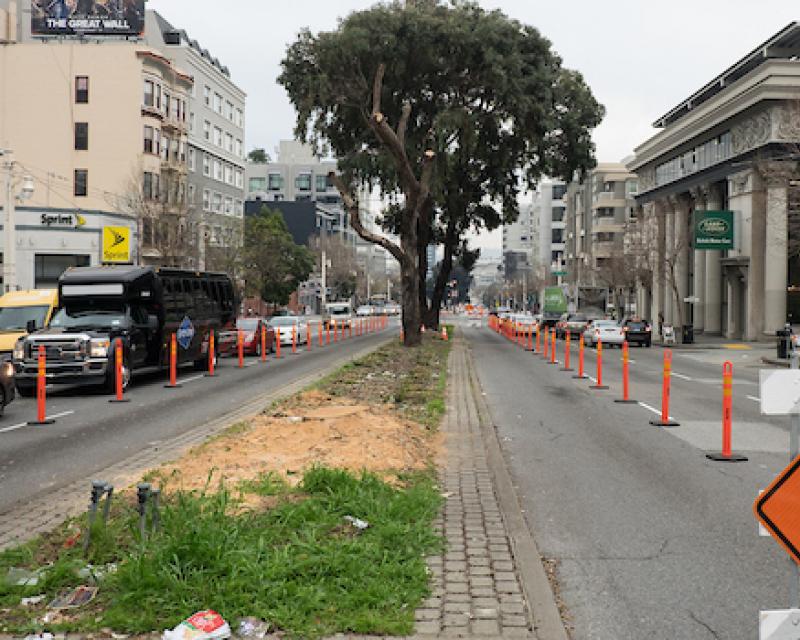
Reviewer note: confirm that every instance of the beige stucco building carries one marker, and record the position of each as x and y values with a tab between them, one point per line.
101	128
732	146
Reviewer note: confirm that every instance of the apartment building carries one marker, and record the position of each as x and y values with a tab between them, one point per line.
550	213
520	242
216	137
97	128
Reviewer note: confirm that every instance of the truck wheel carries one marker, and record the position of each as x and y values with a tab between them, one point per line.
26	391
110	384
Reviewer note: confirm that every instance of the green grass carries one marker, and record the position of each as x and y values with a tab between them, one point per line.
297	565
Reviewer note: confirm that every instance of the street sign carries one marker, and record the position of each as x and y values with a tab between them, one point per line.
780	392
778	509
713	230
783	624
559	273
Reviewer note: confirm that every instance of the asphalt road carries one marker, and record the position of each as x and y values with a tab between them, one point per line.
652	539
90	433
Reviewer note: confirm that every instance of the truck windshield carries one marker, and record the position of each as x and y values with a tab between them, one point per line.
14	319
105	316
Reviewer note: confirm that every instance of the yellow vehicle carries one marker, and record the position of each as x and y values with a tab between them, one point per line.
22	312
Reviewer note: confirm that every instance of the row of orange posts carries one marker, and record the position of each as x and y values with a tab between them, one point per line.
545	346
359	327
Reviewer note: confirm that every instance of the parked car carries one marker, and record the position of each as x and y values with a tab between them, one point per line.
638	332
365	310
251	338
392	309
22	312
574	324
283	325
140	308
608	331
338	314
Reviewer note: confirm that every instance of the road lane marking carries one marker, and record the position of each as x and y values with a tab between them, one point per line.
192	378
681	376
654	410
753	398
592	379
15	427
250	364
63	414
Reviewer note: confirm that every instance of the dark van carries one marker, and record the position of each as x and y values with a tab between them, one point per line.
141	307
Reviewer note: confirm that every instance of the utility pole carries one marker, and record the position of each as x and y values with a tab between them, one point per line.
10	220
323	294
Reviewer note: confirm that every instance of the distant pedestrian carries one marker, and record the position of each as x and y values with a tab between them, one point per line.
660	324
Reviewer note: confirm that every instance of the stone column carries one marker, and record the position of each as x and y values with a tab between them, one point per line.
681	258
699	273
655	246
713	306
776	264
669	271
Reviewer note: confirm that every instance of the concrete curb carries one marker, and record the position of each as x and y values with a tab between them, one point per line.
544	610
775	362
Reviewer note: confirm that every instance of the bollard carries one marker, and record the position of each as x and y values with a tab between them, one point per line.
350	330
240	347
173	363
319	334
294	339
567	349
530	338
444	333
665	420
599	386
212	360
553	348
308	336
334	332
41	391
328	333
538	343
581	347
546	350
142	494
277	343
727	455
118	366
626	396
263	343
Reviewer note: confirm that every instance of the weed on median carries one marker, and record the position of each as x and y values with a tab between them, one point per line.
271	543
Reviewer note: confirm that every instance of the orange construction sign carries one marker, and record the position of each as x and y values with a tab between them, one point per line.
778	509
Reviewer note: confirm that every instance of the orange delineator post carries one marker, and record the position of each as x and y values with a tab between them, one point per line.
118	365
211	353
319	334
308	336
173	363
538	343
444	333
277	343
263	343
546	351
567	349
240	347
665	420
530	338
599	385
294	339
41	391
328	334
727	455
334	334
626	397
581	347
553	349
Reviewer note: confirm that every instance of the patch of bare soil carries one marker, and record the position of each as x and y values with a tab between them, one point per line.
312	429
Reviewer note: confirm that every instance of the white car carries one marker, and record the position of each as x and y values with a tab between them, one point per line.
283	326
607	331
365	310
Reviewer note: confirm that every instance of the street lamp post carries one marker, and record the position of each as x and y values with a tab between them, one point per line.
10	219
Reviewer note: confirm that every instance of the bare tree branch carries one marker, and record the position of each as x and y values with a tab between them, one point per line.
403	125
377	87
355	221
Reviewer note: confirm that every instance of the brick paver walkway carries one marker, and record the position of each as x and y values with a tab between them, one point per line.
477	589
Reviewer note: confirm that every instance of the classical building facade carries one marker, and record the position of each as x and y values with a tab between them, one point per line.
730	147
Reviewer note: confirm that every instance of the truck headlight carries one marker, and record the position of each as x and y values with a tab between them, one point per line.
19	350
7	370
98	348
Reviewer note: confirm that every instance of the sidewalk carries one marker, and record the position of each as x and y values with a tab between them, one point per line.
490	581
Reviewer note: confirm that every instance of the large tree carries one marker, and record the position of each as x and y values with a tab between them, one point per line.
274	266
452	107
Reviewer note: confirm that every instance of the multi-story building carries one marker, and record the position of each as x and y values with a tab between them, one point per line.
96	127
550	209
520	246
718	189
216	139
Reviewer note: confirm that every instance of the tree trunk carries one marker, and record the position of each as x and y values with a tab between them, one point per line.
409	283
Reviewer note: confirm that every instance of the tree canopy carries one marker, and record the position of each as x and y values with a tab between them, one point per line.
454	107
274	265
258	156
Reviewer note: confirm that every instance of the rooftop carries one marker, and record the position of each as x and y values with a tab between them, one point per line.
166	28
783	45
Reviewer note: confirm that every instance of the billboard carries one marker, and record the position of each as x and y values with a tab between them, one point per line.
713	230
87	17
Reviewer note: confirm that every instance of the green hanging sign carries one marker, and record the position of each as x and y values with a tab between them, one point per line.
713	230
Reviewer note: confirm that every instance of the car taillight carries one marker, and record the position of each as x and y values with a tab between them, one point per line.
647	328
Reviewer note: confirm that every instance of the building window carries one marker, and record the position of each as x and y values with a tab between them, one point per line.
206	199
275	182
218	136
558	236
559	191
239	179
303	182
81	136
605	236
228	174
238	150
207	130
149	93
49	267
605	212
206	165
229	110
229	143
228	206
82	89
207	95
558	214
167	104
239	118
191	159
238	208
256	184
151	186
216	202
190	191
191	121
217	170
148	140
322	183
81	183
218	103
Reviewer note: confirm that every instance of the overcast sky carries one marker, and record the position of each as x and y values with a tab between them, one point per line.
640	58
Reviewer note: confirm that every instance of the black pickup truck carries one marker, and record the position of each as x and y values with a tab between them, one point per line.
138	308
